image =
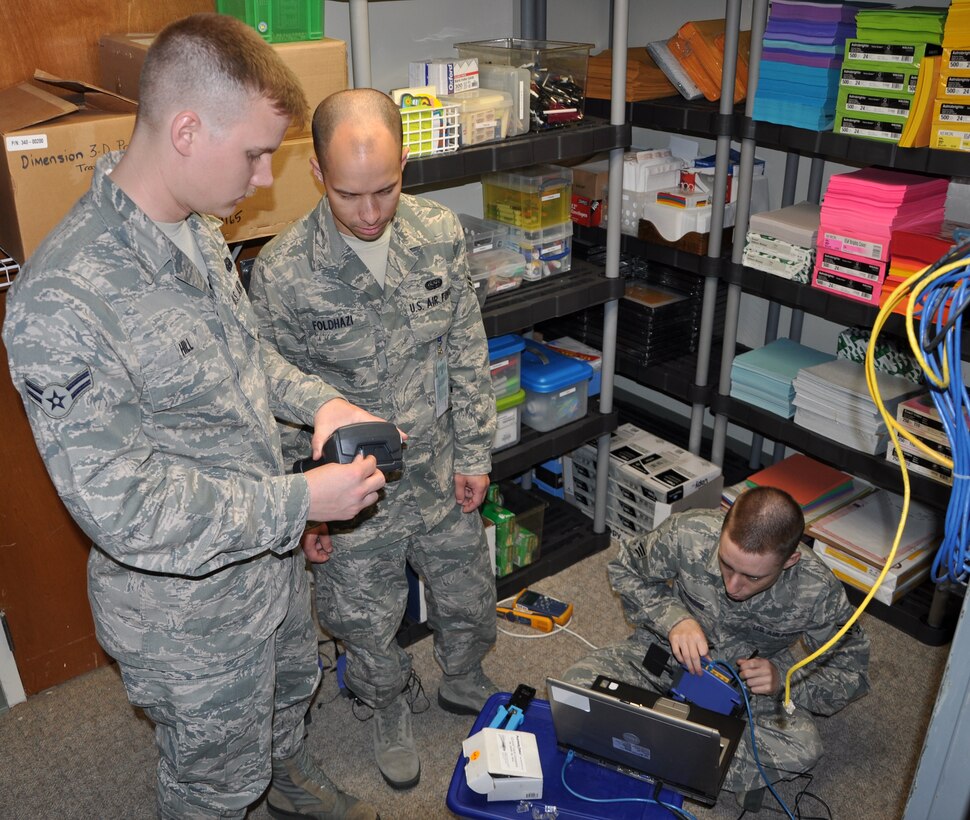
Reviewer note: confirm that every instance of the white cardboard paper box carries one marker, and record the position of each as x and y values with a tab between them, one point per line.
503	765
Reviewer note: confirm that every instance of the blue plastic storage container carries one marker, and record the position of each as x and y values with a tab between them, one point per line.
555	387
504	363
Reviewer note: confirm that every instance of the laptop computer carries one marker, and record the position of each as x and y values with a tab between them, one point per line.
659	739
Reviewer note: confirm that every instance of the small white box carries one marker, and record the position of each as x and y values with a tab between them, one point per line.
447	74
503	765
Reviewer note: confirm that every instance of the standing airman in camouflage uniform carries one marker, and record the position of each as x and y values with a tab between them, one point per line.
371	291
151	400
706	585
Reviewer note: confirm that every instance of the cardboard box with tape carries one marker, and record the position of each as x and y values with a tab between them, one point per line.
54	131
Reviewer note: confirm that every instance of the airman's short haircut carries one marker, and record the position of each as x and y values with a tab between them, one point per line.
764	520
214	64
363	105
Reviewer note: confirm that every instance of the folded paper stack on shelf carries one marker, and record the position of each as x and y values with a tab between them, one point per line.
649	479
855	541
816	487
800	62
644	80
860	211
956	30
892	357
921	418
886	91
764	376
901	25
889	75
950	129
698	46
957	208
912	250
782	242
820	508
832	400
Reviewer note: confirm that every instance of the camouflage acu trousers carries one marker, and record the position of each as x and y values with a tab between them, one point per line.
785	747
361	596
217	730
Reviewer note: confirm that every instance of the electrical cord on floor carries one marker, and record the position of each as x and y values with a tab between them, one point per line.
675	810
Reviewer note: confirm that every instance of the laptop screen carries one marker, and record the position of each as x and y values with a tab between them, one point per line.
683	746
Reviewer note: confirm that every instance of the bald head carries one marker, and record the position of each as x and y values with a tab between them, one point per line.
356	112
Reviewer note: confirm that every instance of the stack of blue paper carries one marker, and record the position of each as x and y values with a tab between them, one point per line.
763	376
799	70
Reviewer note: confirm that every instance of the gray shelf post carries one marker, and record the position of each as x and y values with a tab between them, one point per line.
360	43
732	26
619	34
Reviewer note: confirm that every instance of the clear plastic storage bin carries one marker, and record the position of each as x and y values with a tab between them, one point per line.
558	72
518	83
504	363
496	271
545	252
482	234
529	199
555	388
508	421
483	114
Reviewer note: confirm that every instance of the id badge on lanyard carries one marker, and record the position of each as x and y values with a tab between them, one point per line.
441	397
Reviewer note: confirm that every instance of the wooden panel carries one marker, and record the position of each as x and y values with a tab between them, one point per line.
61	36
43	559
43	553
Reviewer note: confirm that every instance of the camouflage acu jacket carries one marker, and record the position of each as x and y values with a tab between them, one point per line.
673	573
152	406
323	310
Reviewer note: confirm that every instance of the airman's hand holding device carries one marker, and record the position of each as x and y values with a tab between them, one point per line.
380	439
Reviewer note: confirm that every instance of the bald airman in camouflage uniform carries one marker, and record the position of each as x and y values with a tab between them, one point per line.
371	291
697	587
138	359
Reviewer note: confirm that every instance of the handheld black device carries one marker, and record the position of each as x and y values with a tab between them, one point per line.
380	439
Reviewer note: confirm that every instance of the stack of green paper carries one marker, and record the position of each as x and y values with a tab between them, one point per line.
907	25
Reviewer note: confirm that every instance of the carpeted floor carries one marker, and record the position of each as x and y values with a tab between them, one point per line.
80	751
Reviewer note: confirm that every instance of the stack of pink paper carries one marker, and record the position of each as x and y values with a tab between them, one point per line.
860	211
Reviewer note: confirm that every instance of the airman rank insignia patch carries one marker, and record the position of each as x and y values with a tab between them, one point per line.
56	400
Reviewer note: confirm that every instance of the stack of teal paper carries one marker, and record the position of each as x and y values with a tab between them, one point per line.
907	25
802	53
763	376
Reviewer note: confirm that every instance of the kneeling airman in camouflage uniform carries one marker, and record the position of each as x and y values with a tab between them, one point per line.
741	589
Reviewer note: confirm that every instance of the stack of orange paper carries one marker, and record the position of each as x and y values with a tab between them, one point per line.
698	46
644	81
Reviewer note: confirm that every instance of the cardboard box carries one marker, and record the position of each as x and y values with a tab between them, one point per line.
53	131
503	765
320	65
293	193
590	179
588	212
